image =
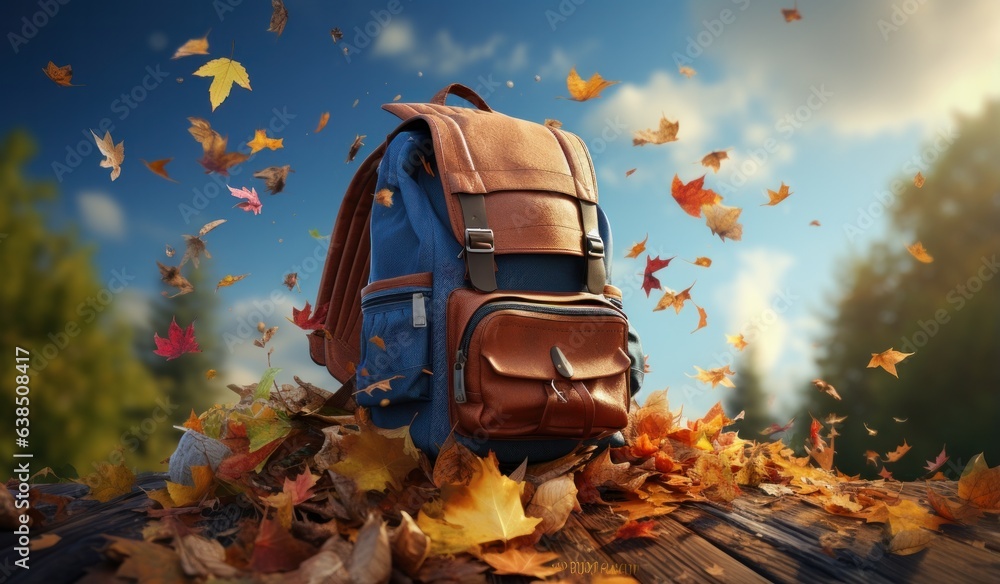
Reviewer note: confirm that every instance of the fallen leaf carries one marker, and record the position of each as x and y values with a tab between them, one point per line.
252	203
918	180
653	265
580	90
410	546
192	47
714	159
224	72
946	509
691	196
279	17
178	342
171	275
524	562
777	196
724	221
638	248
229	280
274	177
636	529
261	141
202	557
276	550
702	318
215	158
776	428
108	481
687	71
114	154
666	132
376	461
371	559
47	540
60	75
887	360
933	465
675	299
553	502
144	561
455	464
355	146
980	484
323	119
917	250
305	320
826	388
737	341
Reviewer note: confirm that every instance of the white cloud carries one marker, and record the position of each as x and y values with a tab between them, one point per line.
444	55
101	214
135	308
396	39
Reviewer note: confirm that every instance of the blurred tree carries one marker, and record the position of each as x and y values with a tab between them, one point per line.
947	312
89	395
750	397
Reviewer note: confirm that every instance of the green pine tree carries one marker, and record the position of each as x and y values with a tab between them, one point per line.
749	397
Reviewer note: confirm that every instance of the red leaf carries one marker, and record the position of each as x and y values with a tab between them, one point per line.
814	429
275	550
177	342
692	196
634	529
933	465
305	320
650	282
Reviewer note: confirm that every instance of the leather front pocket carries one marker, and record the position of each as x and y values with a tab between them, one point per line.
506	383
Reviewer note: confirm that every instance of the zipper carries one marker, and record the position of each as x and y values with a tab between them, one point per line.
459	377
383	298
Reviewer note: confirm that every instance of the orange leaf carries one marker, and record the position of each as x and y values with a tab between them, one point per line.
666	132
737	341
675	299
384	197
917	250
275	550
691	196
60	75
702	261
523	561
887	360
777	196
580	90
714	160
635	529
687	71
378	342
194	423
702	318
791	14
897	453
715	376
159	167
323	119
980	484
261	141
724	221
918	180
192	47
637	248
630	172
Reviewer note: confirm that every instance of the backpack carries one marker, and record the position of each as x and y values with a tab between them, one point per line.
468	286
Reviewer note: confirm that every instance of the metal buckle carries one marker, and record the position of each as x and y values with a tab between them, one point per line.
478	240
594	245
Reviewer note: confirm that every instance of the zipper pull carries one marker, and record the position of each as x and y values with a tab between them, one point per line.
459	377
419	311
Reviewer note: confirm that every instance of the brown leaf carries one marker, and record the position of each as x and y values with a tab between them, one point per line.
114	154
274	177
201	557
714	159
159	167
291	280
897	453
410	546
630	172
279	17
60	75
384	197
666	132
826	388
144	562
371	560
777	196
108	481
553	123
553	501
215	158
724	221
918	180
192	47
275	550
887	360
917	250
791	14
323	119
675	299
580	90
980	484
355	146
455	464
702	319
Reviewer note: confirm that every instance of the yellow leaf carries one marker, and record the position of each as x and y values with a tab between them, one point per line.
180	495
666	132
376	461
980	484
777	196
224	72
109	481
702	318
714	376
580	90
523	561
637	248
211	373
724	221
261	141
192	47
737	341
687	71
897	453
229	280
917	250
887	360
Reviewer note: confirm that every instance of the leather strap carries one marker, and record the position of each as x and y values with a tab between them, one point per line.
465	93
588	407
479	243
593	248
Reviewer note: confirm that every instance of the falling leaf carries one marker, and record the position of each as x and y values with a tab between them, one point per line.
114	154
355	146
397	97
691	196
265	334
171	276
897	453
980	484
384	197
426	164
195	246
933	465
724	221
900	420
305	320
291	280
653	265
737	341
177	343
315	234
60	75
274	177
887	360
192	47
666	132
917	250
261	141
279	17
871	457
826	388
636	529
714	159
776	428
777	196
211	373
791	14
224	72
870	431
629	172
378	342
252	203
159	167
715	376
229	280
675	299
169	251
918	180
638	248
382	385
215	158
580	90
336	34
376	461
702	318
886	474
108	481
814	223
687	71
556	124
323	119
523	561
834	419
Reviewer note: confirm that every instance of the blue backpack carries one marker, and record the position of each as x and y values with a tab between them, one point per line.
468	287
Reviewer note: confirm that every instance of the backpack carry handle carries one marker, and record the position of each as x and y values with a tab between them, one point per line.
465	93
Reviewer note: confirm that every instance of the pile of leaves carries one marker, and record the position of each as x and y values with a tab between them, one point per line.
333	498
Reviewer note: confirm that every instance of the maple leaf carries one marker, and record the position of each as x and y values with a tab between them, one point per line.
194	422
336	34
171	275
60	75
524	562
887	360
826	388
455	464
638	248
675	299
933	465
653	420
791	14
215	158
274	177
777	196
108	481
715	475
355	146
910	526
870	431
229	280
551	123
737	341
275	550
252	203
224	73
687	71
702	262
384	197
553	502
636	529
291	281
724	221
376	461
192	47
702	319
580	90
776	428
195	246
487	509
653	265
279	17
261	141
917	250
177	343
691	196
918	180
897	453
159	167
114	154
305	320
980	484
630	172
714	159
323	119
666	132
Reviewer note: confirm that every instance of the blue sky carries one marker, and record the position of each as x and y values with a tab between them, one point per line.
837	105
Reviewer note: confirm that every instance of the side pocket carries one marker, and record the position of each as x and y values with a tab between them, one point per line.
395	341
